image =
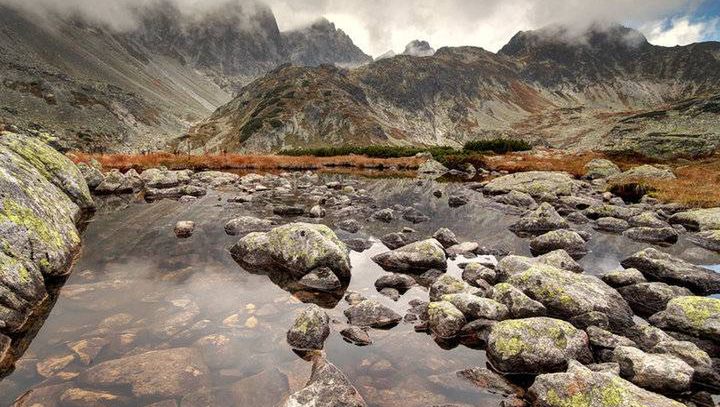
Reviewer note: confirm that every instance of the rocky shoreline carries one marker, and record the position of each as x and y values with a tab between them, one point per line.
554	332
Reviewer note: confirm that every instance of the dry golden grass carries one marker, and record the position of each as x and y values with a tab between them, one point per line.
141	162
543	160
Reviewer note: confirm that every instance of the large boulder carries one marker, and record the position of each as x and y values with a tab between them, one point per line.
569	295
694	316
534	183
707	239
564	239
161	178
601	168
444	319
416	257
536	345
698	219
659	372
642	172
474	307
666	235
310	329
168	373
660	266
543	219
296	248
646	299
371	313
580	386
327	387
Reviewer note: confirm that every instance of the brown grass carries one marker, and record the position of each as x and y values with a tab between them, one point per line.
543	160
141	162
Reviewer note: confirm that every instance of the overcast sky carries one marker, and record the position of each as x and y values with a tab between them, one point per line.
377	26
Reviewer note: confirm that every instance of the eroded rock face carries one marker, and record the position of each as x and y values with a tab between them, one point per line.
660	266
328	387
695	316
296	248
583	387
416	257
310	329
534	183
168	373
569	295
536	345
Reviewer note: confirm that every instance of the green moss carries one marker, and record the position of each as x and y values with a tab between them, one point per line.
510	347
576	400
698	309
22	216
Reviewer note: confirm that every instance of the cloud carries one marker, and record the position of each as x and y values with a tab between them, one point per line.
381	25
680	31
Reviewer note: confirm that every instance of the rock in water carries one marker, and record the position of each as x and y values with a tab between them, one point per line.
446	237
322	279
563	239
246	224
444	319
543	219
310	329
474	307
184	229
328	387
372	314
534	183
660	266
536	345
580	386
698	219
416	257
296	248
168	373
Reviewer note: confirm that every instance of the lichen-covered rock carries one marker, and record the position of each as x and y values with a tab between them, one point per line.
566	294
474	307
372	314
517	199
115	183
563	239
321	279
160	178
400	282
444	319
446	237
512	264
660	266
601	168
601	338
613	225
534	183
695	316
327	387
610	211
519	305
447	284
246	224
310	329
665	235
296	248
476	271
432	168
536	345
543	219
93	176
648	220
646	299
644	172
658	372
168	373
707	239
687	351
414	258
580	386
698	219
621	278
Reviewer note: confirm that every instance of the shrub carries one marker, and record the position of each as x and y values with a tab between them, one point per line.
498	145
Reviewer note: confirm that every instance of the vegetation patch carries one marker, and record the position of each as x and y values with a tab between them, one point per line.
498	145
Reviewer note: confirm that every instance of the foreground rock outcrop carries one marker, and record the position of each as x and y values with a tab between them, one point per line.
328	387
44	196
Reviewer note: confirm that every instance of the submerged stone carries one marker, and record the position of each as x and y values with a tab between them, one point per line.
310	329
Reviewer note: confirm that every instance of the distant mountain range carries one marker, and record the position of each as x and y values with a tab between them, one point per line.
606	88
105	90
230	80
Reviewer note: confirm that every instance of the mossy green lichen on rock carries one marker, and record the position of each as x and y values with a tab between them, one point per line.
696	316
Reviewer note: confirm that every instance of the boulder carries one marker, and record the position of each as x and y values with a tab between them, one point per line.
517	199
396	240
432	168
296	248
184	228
317	211
446	237
534	183
168	373
665	235
563	239
444	319
568	295
536	345
321	279
621	278
370	313
400	282
646	299
660	266
686	351
474	307
476	271
386	215
658	372
609	224
600	338
648	220
414	258
93	176
413	215
458	200
698	219
543	219
518	304
644	172
310	329
580	386
356	335
707	239
245	224
349	225
476	380
215	179
610	211
157	178
447	284
156	194
327	387
463	249
695	316
601	168
511	265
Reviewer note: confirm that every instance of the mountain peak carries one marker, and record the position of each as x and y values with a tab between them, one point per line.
418	48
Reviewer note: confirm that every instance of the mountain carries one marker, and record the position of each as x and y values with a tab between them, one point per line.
105	90
419	48
594	89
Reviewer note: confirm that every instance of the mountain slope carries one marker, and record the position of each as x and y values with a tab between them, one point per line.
544	86
102	90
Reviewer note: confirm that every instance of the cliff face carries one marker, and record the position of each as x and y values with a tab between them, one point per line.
551	87
129	91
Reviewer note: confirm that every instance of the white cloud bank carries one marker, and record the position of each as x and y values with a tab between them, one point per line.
680	31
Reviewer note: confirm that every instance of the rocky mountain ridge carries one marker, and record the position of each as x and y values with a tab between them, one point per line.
596	90
104	90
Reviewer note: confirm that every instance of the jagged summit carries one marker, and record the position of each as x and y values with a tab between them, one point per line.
322	43
418	48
